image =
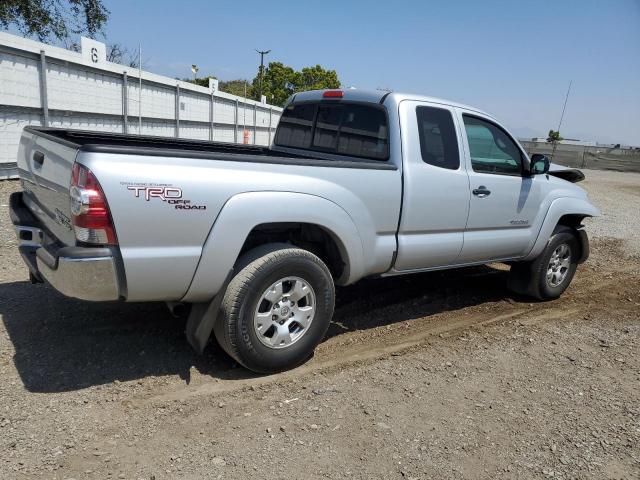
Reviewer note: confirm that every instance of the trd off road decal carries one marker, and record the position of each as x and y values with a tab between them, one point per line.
163	192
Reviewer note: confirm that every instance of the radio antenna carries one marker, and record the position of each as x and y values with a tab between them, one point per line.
565	105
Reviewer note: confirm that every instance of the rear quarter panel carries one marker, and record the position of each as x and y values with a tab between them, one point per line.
161	246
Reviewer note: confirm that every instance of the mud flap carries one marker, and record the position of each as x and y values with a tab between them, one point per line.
583	239
203	317
518	279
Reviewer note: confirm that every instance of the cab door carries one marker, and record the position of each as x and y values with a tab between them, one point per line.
436	187
504	199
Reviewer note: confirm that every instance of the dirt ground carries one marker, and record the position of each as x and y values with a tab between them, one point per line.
432	376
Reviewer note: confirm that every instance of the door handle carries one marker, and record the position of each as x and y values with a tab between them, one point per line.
481	191
38	158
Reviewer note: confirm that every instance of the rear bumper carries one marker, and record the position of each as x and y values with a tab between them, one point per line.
78	272
86	273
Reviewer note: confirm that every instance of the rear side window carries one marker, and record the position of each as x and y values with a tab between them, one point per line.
438	141
344	129
296	125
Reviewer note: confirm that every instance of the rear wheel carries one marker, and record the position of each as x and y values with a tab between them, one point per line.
276	309
549	275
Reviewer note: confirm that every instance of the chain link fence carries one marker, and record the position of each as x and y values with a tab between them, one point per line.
579	156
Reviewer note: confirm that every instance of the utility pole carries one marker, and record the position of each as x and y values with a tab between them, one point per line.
245	132
140	89
262	54
244	108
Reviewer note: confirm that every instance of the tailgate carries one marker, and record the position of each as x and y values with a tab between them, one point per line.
45	169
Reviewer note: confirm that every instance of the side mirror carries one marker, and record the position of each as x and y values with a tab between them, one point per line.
539	164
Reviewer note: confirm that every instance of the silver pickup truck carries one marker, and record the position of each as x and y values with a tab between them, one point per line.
253	239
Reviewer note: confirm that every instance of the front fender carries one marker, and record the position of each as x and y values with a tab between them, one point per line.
559	208
242	212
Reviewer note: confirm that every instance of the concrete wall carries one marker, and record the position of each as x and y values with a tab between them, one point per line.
45	85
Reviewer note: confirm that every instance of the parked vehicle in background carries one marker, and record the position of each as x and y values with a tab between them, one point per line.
357	184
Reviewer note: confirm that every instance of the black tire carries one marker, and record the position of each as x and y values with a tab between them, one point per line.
256	272
530	278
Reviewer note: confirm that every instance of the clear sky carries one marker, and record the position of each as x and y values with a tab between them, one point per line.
513	59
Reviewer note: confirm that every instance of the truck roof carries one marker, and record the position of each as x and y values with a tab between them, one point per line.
379	96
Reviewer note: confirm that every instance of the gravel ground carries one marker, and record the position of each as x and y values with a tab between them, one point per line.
618	197
441	375
10	263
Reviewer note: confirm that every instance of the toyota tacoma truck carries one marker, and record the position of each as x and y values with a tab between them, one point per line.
253	239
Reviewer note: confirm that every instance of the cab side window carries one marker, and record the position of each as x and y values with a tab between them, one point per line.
438	142
491	149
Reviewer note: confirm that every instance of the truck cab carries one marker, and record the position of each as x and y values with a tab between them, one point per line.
470	193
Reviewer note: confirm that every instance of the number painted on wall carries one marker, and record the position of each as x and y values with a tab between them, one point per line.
94	55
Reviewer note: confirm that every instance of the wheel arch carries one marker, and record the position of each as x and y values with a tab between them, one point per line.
571	220
247	217
564	212
317	239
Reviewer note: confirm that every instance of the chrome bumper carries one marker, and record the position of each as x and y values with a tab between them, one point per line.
86	278
87	273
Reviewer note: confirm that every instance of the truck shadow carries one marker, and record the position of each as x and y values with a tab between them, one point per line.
63	344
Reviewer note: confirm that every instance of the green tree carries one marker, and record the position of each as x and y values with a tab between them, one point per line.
46	19
234	87
554	138
277	83
202	81
281	81
237	87
316	78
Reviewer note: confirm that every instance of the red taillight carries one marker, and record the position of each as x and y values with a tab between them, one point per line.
89	210
333	94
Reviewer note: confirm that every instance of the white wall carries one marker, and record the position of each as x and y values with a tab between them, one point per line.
85	94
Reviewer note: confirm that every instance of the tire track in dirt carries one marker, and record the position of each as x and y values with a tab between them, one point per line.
593	289
328	360
590	292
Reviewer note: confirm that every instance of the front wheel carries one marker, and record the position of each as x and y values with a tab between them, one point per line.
276	309
549	275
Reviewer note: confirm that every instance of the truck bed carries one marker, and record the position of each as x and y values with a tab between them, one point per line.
101	141
129	144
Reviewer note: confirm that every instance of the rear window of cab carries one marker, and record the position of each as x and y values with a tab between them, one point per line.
351	129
